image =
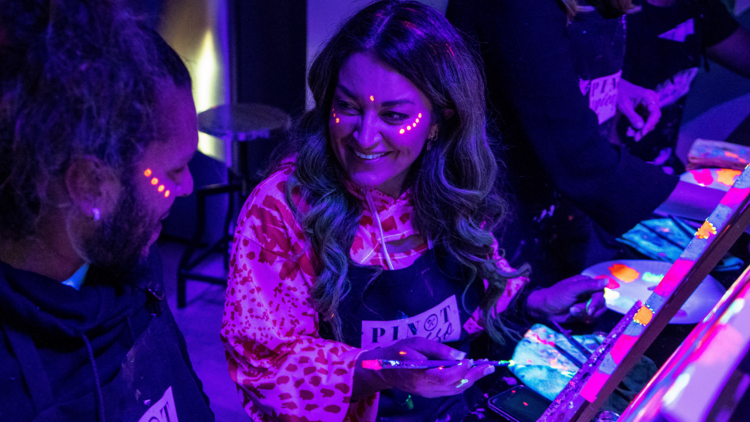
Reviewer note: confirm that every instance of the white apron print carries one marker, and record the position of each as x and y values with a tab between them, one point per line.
164	410
441	323
602	94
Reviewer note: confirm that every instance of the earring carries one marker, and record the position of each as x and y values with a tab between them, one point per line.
97	213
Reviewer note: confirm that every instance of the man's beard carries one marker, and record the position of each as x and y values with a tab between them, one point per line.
119	243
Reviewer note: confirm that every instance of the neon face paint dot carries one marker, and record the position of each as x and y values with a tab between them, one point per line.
408	128
401	131
166	194
402	353
372	98
161	188
337	120
147	173
417	120
154	181
420	115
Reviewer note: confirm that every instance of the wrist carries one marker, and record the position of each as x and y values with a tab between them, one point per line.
536	304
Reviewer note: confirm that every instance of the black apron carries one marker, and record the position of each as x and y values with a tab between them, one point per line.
154	384
425	299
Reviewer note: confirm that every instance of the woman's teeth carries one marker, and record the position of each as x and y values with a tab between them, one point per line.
368	157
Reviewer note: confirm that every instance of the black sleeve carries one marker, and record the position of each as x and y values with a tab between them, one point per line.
717	23
533	85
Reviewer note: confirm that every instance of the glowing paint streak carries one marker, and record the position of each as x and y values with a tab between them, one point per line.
706	230
147	173
624	273
420	115
154	181
166	194
161	188
643	316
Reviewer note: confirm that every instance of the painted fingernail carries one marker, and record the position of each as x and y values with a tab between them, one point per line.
457	355
489	369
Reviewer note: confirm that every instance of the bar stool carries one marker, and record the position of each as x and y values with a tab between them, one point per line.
238	125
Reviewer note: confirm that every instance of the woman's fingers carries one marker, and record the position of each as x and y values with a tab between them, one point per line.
432	349
452	386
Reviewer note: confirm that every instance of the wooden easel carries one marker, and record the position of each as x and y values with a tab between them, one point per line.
584	395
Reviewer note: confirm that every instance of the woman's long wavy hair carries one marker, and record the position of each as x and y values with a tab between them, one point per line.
457	204
78	78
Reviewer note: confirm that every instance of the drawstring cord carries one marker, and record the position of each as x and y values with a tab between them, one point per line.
99	395
374	213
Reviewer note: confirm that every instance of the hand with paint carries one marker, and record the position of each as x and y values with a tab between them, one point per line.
434	382
630	100
578	298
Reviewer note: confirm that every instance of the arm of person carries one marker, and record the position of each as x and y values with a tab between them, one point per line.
733	52
691	201
629	98
282	366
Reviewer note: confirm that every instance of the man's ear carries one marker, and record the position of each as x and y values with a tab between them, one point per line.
92	186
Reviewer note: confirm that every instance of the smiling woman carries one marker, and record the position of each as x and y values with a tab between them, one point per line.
371	238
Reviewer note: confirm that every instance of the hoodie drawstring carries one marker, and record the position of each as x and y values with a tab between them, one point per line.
374	213
99	394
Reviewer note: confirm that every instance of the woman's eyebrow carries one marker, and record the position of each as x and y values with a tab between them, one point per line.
349	93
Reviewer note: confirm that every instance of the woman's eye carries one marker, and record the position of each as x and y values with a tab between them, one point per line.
344	106
395	117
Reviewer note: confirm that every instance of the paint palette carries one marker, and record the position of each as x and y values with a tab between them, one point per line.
713	178
633	280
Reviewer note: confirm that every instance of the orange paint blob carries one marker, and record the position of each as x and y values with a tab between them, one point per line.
166	194
147	173
727	176
624	273
154	181
161	188
706	230
643	316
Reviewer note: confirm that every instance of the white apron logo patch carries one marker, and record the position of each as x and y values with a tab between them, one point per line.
602	95
441	323
680	32
163	410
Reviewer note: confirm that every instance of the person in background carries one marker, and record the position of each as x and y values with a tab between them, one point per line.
97	125
666	41
372	238
574	191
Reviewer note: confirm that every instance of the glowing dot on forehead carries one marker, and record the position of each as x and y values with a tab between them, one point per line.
154	181
161	188
401	131
147	173
372	98
166	194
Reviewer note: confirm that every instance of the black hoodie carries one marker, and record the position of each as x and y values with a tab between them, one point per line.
109	352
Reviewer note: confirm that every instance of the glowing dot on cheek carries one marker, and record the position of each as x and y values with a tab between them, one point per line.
337	120
161	188
166	194
147	173
372	98
408	128
401	131
420	115
154	181
417	120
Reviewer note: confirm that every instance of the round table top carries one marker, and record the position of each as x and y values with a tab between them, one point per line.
242	122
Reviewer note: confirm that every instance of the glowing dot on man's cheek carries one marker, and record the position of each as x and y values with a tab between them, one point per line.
401	131
161	188
147	173
166	194
154	181
372	98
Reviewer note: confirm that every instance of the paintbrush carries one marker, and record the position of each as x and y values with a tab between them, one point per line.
378	364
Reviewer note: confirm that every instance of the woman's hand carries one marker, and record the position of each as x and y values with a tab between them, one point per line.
434	382
578	298
629	97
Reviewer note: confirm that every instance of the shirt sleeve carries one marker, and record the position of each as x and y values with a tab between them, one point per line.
546	121
282	366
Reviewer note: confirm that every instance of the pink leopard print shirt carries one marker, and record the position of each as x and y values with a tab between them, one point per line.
283	368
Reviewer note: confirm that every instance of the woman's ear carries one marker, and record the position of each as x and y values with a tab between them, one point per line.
448	113
91	186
